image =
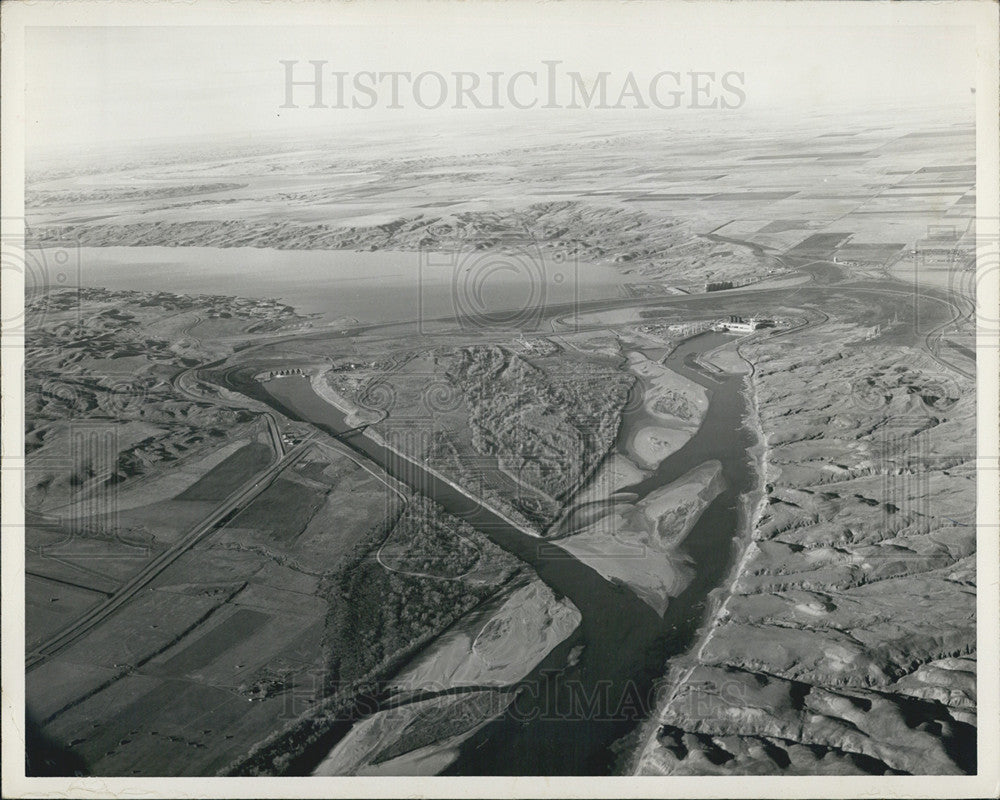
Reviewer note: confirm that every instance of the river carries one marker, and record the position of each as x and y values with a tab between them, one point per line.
567	718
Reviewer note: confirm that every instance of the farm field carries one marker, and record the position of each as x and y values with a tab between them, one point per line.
713	430
235	632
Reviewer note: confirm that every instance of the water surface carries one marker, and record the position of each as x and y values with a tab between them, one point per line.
567	717
369	286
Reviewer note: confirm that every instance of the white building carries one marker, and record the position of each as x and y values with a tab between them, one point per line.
740	326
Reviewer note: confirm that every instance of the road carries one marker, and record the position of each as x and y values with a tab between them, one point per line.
235	502
243	496
843	283
178	382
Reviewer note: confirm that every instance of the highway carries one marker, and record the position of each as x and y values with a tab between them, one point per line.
234	503
243	496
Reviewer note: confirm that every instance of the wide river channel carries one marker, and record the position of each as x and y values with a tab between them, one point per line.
567	717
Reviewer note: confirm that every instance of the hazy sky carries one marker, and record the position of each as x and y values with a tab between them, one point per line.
91	84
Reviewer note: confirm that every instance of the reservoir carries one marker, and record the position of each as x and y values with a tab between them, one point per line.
380	286
567	717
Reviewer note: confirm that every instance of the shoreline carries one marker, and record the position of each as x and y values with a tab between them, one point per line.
352	416
752	506
333	398
486	504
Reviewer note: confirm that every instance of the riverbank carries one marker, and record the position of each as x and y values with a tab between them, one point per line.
753	506
623	641
485	654
521	525
845	643
354	414
417	738
640	543
675	407
497	647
